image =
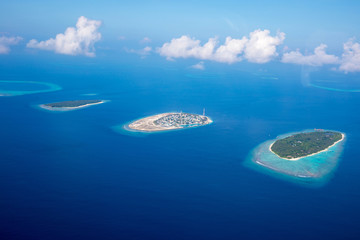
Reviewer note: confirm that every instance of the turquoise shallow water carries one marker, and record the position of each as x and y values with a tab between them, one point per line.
333	81
335	89
315	170
17	88
125	130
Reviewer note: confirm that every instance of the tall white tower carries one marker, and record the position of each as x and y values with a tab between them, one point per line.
204	112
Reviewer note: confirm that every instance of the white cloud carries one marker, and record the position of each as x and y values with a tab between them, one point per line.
75	41
199	66
142	52
229	52
145	40
147	49
259	48
185	47
319	58
350	61
6	42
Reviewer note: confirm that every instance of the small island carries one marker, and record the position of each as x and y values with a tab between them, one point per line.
305	144
168	121
70	105
308	157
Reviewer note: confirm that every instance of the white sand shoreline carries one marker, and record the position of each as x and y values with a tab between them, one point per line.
295	159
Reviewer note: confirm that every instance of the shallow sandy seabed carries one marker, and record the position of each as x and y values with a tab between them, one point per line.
9	93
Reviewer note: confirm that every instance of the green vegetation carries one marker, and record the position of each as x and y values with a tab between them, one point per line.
303	144
75	103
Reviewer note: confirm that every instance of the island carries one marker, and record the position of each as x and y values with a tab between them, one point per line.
308	157
70	105
305	144
168	121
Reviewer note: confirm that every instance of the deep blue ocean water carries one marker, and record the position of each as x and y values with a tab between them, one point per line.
69	175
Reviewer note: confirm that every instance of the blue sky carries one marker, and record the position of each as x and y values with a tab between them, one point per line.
306	24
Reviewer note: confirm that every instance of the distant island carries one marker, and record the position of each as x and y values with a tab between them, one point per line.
305	144
169	121
70	105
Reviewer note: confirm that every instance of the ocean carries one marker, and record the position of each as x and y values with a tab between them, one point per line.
69	175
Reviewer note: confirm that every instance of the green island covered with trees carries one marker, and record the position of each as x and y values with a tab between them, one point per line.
72	104
304	144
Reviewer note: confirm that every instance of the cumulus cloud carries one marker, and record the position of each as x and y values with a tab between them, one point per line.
260	47
199	66
350	61
318	58
229	52
74	41
6	42
186	47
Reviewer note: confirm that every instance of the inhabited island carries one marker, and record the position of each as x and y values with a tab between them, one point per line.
306	157
70	105
168	121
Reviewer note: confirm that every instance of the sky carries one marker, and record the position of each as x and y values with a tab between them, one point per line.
313	33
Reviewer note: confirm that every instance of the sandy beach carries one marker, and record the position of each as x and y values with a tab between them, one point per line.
295	159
